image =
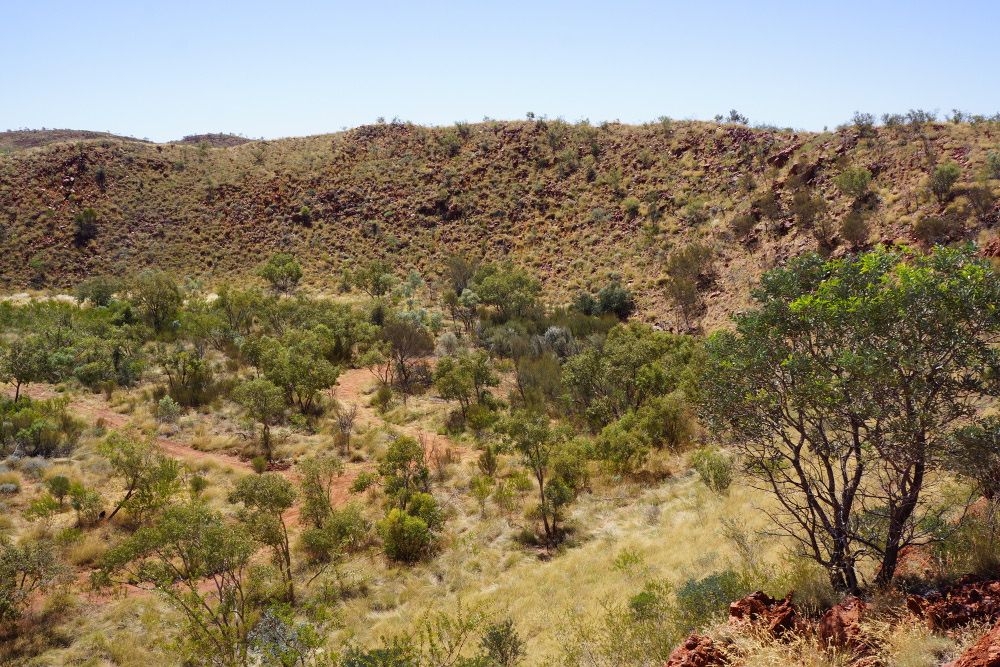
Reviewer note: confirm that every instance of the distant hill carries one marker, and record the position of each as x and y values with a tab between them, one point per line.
16	140
577	205
215	140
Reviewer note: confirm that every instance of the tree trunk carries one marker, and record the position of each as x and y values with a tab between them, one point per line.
898	519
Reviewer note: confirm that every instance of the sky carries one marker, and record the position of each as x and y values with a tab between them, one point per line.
162	70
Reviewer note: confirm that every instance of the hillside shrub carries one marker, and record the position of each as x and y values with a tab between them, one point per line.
99	290
854	182
405	538
282	272
502	644
854	229
631	207
993	163
701	600
934	230
943	179
714	468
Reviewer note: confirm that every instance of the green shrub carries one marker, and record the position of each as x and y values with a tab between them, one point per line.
652	603
742	226
621	447
502	644
58	486
615	300
943	179
282	271
167	410
405	538
699	601
855	229
993	163
99	290
714	468
854	182
934	231
259	465
424	507
382	398
84	226
631	207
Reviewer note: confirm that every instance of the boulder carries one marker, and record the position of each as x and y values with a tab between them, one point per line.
839	625
696	651
760	609
968	600
984	653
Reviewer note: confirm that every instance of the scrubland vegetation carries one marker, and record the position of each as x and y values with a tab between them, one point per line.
419	453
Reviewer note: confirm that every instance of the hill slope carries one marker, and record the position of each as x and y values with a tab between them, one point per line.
17	140
577	204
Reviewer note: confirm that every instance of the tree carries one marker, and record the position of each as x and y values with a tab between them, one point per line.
854	229
99	290
404	471
190	377
375	278
265	500
406	341
459	271
84	226
239	308
943	179
282	271
265	403
58	487
150	478
854	182
842	387
533	438
156	295
465	378
511	291
634	364
188	545
23	361
25	569
317	481
298	364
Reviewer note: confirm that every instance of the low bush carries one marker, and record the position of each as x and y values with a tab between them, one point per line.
714	468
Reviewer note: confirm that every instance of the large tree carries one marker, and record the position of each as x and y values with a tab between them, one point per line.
842	387
203	566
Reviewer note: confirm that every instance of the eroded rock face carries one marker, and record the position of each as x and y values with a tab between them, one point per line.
968	600
839	625
984	653
696	651
760	609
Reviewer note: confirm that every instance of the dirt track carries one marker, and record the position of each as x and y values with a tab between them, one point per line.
351	388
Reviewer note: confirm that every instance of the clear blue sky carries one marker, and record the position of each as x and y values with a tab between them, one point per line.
169	68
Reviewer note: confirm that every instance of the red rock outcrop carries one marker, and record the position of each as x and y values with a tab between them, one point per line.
839	625
696	651
760	609
984	653
968	600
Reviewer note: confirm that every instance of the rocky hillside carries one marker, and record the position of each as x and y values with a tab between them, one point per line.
17	140
579	205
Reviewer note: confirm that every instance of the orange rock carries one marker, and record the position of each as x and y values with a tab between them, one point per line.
839	625
760	609
696	651
984	653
